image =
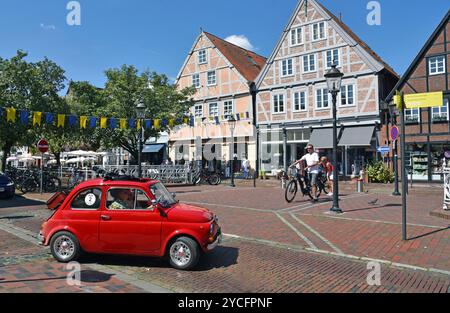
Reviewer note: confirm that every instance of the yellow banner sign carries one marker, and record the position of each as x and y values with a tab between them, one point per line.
424	100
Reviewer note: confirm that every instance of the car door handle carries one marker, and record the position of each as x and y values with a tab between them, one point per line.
106	217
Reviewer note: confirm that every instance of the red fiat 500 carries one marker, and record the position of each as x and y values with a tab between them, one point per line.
128	216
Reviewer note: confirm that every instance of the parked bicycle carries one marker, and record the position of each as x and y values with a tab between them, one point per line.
204	176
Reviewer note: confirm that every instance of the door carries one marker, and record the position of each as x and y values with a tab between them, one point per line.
129	224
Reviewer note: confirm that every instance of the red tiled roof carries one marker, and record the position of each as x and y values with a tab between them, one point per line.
358	40
248	63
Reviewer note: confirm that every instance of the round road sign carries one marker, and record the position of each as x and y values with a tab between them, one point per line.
42	145
394	133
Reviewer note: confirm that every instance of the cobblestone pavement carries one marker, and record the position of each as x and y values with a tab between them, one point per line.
273	246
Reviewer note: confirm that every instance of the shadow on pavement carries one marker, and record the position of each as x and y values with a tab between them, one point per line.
375	207
429	233
18	217
88	276
221	257
19	201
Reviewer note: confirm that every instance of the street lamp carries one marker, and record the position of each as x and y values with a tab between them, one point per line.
140	113
334	80
232	124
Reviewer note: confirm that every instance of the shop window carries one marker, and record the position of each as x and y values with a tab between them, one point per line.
440	114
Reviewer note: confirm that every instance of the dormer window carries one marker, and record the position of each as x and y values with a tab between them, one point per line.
202	57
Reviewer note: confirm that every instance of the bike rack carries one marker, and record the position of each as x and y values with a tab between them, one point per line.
446	188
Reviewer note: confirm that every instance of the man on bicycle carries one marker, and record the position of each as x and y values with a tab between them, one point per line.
312	162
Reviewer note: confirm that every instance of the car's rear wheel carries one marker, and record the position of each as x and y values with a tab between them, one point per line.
184	253
65	247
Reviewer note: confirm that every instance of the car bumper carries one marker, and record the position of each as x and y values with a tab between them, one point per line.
7	191
41	239
217	242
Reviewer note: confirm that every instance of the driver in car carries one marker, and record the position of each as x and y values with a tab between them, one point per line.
123	199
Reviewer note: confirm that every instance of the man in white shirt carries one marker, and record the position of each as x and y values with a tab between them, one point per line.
312	162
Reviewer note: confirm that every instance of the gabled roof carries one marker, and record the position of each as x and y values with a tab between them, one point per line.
372	59
420	56
247	62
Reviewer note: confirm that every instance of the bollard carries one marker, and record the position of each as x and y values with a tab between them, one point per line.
360	182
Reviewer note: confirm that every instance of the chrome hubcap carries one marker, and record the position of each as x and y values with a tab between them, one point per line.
64	247
180	253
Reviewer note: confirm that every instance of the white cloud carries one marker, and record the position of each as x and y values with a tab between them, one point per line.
48	27
241	41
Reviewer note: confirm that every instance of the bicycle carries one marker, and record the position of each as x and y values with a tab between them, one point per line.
301	180
205	176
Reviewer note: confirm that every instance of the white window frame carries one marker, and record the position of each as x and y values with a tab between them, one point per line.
436	61
232	107
209	109
440	114
201	110
215	78
295	92
324	91
282	63
308	56
325	31
194	80
346	86
325	57
206	56
278	95
409	113
302	37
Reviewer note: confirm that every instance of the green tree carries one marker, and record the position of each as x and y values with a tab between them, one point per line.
27	86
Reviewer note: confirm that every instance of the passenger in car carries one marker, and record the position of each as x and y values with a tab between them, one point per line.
123	199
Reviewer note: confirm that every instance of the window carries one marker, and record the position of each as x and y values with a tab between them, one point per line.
296	36
213	109
127	199
162	195
228	108
299	101
278	104
309	63
318	31
322	99
198	111
202	57
440	113
196	80
412	115
347	95
87	200
332	57
287	67
437	65
211	78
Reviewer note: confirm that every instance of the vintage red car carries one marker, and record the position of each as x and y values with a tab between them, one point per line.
128	216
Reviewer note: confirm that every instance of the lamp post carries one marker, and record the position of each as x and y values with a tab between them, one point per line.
140	113
393	112
334	80
232	123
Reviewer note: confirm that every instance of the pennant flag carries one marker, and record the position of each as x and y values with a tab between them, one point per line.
179	121
112	123
238	117
83	122
1	111
72	120
37	117
164	122
217	120
132	123
61	120
148	124
139	124
24	117
171	122
123	123
192	121
11	115
199	121
247	114
93	122
49	118
156	123
103	122
242	115
186	120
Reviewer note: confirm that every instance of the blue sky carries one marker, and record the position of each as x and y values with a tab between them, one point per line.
157	34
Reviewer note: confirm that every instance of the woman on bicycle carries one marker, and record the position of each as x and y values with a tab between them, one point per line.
327	169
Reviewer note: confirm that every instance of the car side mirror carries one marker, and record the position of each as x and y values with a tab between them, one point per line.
154	202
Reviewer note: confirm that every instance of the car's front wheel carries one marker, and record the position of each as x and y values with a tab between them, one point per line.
65	247
184	253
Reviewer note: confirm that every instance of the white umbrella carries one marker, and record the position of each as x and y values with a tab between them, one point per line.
11	159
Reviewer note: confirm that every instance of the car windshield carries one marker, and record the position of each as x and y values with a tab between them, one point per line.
162	194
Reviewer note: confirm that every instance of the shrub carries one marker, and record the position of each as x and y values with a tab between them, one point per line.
378	172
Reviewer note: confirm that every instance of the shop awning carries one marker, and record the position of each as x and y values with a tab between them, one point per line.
322	138
152	148
357	136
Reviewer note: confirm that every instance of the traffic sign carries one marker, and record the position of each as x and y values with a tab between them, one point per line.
394	133
43	146
384	150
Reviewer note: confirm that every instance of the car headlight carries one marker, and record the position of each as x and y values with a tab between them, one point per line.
211	228
10	184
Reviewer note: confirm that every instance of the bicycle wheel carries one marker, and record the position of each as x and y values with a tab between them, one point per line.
214	180
291	191
29	185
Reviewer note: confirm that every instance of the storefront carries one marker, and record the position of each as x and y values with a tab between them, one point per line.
426	160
